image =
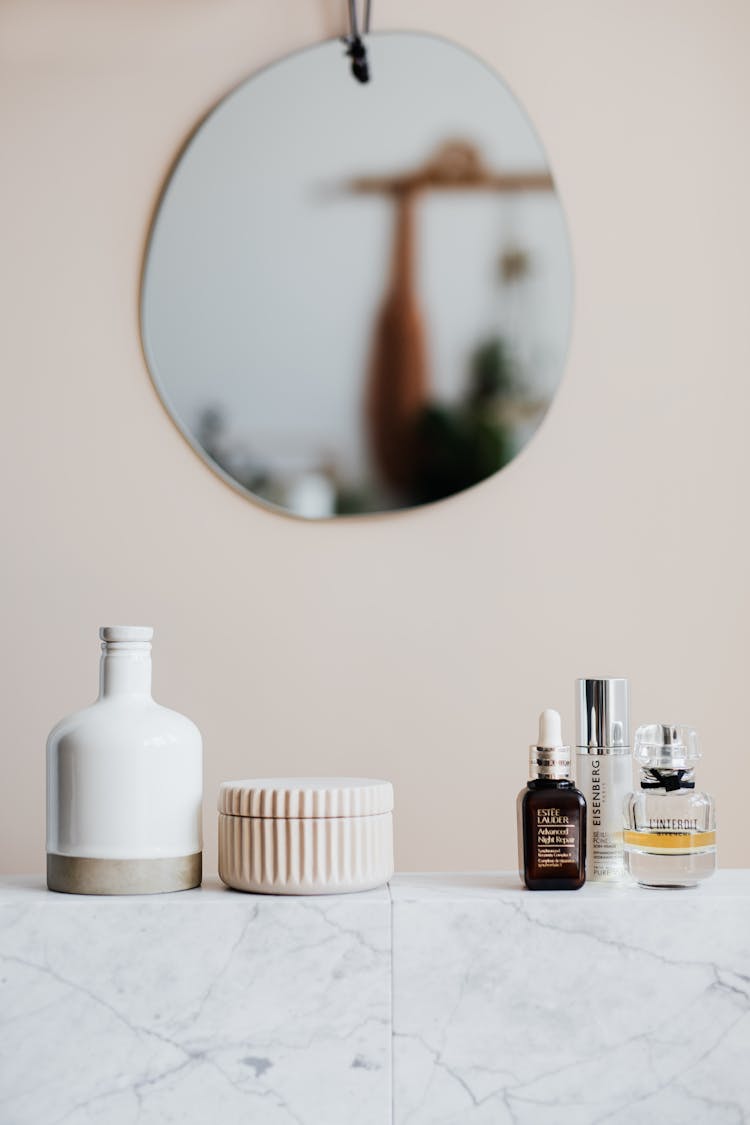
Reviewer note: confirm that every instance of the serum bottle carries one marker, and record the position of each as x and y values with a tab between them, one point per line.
604	771
551	816
670	826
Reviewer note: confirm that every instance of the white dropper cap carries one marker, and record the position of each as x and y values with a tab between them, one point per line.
549	757
550	729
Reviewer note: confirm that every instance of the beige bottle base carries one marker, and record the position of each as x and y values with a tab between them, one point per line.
79	875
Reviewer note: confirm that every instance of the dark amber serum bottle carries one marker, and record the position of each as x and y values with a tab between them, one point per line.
551	816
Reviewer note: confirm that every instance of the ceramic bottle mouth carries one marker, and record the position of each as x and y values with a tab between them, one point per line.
126	638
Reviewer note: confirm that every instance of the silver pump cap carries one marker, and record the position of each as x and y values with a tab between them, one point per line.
666	747
603	716
549	758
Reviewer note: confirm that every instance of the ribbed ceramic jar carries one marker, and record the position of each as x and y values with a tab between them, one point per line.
305	835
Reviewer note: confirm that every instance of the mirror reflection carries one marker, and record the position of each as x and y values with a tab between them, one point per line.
357	298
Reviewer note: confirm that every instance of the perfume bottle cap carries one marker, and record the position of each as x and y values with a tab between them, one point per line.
549	758
667	747
603	715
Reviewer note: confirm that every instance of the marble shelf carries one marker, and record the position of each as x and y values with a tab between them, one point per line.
604	1004
201	1007
440	1000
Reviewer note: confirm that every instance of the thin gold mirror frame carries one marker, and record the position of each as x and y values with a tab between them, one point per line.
411	285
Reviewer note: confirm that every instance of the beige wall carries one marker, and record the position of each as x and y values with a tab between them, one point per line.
418	647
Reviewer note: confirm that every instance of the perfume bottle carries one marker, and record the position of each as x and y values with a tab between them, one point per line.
551	816
604	770
670	827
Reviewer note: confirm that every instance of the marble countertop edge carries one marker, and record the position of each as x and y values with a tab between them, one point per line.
504	885
403	887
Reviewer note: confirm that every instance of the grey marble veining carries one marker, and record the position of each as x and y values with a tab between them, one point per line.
603	1005
196	1007
613	1005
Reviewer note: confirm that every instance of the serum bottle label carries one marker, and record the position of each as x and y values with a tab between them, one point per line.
605	780
556	838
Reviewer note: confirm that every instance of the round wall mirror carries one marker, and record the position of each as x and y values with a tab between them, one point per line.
357	298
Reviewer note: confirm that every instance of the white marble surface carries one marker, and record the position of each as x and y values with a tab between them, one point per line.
616	1005
205	1006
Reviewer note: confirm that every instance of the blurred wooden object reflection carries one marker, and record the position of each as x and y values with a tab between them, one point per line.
398	382
455	166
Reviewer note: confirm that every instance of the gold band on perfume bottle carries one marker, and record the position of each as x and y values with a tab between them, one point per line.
669	841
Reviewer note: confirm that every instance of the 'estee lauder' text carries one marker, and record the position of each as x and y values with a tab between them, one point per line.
551	816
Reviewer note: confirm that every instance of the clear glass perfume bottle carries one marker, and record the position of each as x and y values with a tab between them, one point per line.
670	827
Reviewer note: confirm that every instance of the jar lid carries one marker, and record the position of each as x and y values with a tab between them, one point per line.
305	797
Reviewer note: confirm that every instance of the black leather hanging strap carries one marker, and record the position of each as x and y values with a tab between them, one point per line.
355	47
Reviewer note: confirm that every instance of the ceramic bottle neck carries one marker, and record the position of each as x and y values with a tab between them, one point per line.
125	670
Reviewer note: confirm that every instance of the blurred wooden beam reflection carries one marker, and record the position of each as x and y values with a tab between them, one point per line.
399	381
455	166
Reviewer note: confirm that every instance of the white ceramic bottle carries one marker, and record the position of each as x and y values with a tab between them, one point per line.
124	784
